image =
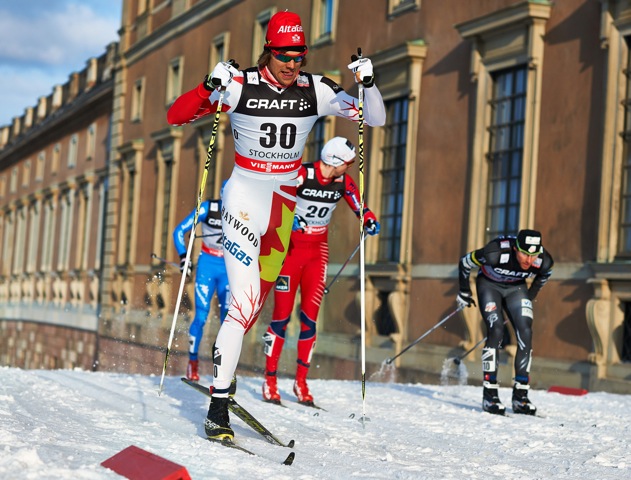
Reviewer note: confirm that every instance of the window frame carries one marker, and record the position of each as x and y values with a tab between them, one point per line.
73	151
258	32
129	165
175	75
398	72
319	9
56	159
218	50
168	143
138	100
391	166
503	149
400	7
26	173
90	144
503	39
40	167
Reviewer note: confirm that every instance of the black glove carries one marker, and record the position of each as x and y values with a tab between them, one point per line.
189	268
465	299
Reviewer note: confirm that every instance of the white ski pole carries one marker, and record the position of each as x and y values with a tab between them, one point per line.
209	154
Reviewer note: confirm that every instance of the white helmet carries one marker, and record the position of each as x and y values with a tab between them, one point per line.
338	151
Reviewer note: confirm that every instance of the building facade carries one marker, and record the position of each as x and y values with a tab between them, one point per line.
53	194
501	115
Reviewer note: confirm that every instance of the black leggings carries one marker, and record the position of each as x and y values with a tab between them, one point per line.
493	298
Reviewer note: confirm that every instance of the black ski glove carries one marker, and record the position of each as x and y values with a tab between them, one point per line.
189	267
465	299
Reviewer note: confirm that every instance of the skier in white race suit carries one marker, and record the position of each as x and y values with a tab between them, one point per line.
272	108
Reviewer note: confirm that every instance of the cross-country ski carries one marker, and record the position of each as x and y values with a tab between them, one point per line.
231	444
244	415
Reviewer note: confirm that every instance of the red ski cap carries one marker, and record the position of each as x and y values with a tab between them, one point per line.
284	30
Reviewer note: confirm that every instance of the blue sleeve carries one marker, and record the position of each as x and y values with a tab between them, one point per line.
186	225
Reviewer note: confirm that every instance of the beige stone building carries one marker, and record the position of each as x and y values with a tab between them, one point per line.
501	115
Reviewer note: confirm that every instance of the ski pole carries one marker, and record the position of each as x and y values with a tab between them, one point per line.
209	154
389	360
163	260
326	289
362	260
459	358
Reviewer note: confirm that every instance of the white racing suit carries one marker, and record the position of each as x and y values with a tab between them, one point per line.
270	126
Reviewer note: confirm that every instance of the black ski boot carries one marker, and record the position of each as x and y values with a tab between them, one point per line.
521	403
491	401
217	423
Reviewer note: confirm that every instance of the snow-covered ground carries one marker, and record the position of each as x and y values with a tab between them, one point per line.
64	424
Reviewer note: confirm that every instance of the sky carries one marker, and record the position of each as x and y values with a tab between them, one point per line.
43	41
64	424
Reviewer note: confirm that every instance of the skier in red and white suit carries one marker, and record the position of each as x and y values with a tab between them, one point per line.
272	108
322	185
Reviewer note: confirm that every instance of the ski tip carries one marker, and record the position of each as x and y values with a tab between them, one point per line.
290	459
291	444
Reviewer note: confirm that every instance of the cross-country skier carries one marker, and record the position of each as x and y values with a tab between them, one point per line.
320	186
272	108
210	275
505	263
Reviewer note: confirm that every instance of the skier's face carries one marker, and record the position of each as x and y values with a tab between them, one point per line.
525	261
285	72
329	171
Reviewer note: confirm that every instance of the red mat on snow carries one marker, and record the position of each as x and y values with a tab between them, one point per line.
138	464
567	390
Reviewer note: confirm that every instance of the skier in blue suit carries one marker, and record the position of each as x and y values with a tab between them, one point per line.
210	276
